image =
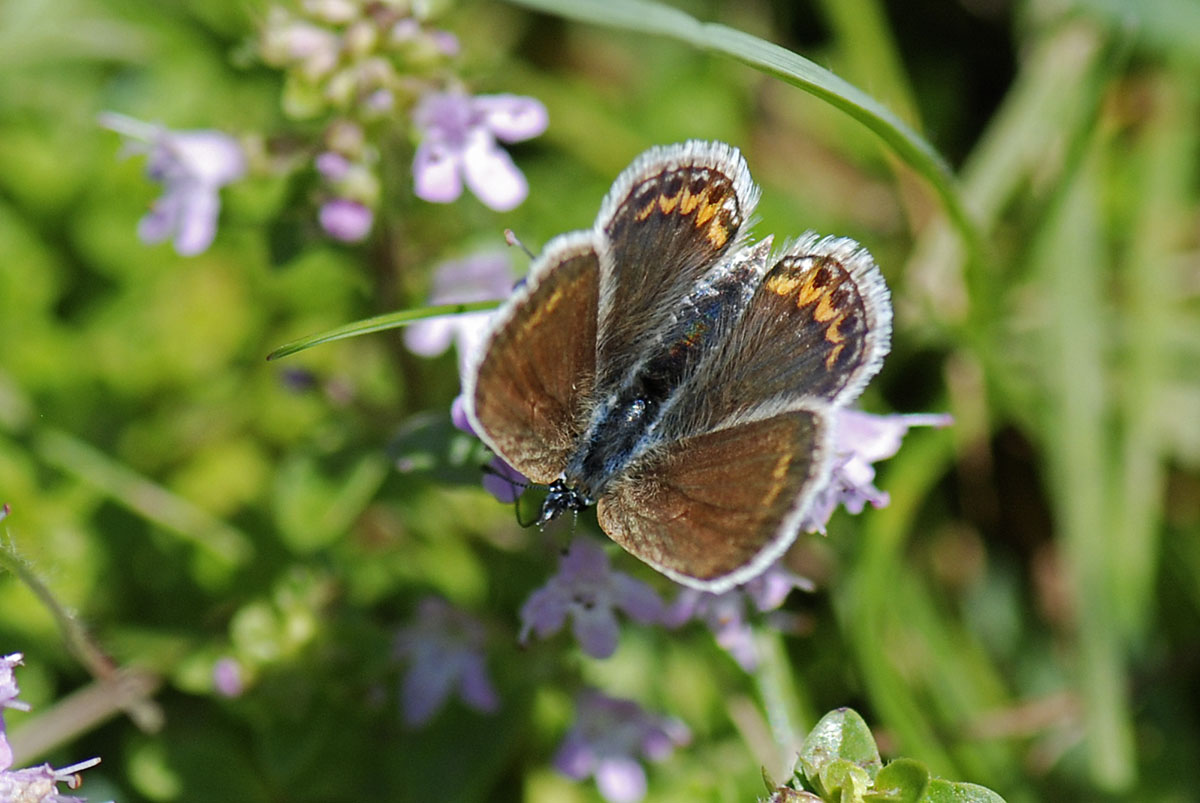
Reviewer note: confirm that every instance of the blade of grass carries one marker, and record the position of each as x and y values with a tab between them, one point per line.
148	499
1057	90
1070	258
1150	283
391	320
657	19
788	710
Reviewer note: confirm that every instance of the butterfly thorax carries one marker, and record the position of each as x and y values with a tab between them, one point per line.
620	431
623	424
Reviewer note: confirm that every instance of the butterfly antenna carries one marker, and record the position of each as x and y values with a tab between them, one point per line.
512	239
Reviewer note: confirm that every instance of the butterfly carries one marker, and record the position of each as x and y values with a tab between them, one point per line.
678	376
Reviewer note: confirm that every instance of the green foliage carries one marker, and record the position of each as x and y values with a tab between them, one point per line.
1023	614
839	763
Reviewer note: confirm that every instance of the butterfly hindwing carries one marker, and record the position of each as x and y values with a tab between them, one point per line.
713	510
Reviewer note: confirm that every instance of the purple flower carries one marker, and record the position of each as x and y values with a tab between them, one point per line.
726	613
40	784
8	680
481	277
590	592
608	737
444	651
33	784
8	698
346	220
332	165
227	677
458	141
499	479
192	167
862	439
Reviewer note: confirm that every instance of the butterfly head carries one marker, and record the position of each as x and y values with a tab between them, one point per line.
561	498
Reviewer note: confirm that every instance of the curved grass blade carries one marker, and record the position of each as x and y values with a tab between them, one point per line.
391	320
646	16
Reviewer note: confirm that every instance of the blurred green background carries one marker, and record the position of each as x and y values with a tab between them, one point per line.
1024	615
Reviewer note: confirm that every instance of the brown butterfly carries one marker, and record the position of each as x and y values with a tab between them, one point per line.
680	378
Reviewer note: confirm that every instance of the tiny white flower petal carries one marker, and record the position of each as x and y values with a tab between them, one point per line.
210	157
621	780
436	173
431	337
512	118
491	173
157	224
197	221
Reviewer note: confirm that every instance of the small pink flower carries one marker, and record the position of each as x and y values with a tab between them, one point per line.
346	220
862	439
459	136
608	737
444	650
726	614
588	591
227	677
192	166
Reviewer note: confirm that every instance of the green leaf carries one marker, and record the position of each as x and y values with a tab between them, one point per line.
841	735
657	19
904	781
943	791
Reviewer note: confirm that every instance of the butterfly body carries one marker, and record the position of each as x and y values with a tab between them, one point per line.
684	381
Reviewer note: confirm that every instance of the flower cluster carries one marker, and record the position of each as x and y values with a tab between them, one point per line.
727	614
352	57
372	67
371	70
861	440
32	784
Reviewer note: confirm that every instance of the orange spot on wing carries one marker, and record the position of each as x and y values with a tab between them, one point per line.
825	310
808	293
782	284
832	334
717	234
688	202
707	210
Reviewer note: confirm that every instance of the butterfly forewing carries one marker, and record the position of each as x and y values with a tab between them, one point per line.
715	509
534	381
669	218
817	327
